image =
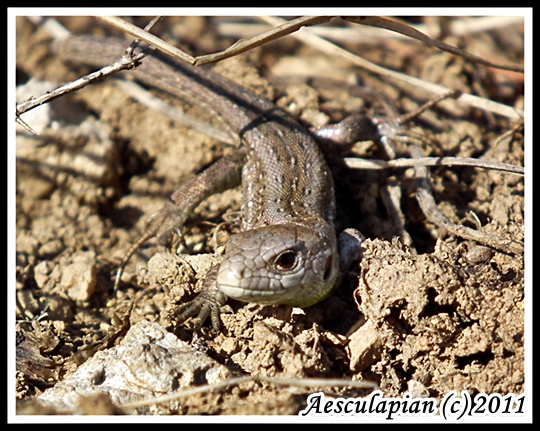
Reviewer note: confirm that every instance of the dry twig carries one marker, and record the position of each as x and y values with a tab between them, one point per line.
418	84
304	382
432	212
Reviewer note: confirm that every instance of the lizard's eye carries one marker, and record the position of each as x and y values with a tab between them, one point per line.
286	260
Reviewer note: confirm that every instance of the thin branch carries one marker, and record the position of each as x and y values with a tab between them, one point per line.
407	30
149	38
434	89
283	29
374	35
358	163
23	124
432	212
391	197
239	380
126	62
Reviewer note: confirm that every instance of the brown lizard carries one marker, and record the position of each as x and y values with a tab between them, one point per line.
287	252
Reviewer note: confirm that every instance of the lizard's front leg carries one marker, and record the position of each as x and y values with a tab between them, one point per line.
226	173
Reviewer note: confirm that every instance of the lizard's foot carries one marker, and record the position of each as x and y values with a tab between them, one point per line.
209	303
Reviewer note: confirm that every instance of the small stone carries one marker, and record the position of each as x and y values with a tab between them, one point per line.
79	278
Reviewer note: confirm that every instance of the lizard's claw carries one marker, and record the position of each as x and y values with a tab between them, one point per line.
208	303
202	307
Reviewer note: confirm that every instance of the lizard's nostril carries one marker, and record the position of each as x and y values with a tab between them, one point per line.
328	268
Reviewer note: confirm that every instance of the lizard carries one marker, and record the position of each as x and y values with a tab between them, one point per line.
287	252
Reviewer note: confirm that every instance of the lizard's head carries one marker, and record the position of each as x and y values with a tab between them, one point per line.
280	264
